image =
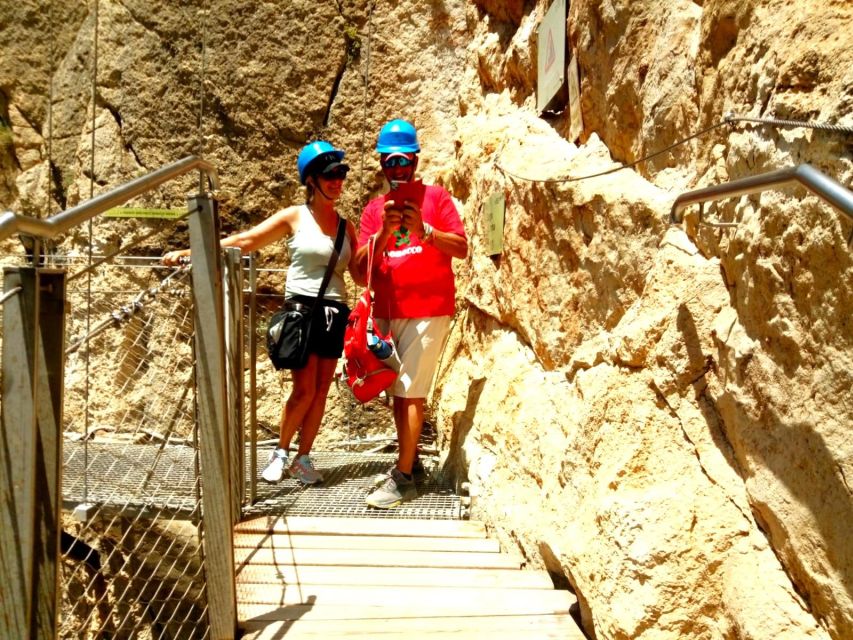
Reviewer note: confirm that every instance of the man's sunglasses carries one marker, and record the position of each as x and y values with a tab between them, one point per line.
397	161
335	174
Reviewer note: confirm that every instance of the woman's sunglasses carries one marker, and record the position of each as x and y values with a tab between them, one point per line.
397	161
339	173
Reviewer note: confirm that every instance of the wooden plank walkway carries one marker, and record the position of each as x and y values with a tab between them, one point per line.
302	577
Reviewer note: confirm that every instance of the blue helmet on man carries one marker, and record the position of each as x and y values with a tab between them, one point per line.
316	157
398	136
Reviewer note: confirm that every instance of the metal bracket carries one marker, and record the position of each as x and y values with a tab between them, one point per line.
723	225
83	512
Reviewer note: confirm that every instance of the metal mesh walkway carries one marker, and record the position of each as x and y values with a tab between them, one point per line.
123	474
153	476
348	477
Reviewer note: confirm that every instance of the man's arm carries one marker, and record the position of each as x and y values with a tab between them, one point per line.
451	238
380	227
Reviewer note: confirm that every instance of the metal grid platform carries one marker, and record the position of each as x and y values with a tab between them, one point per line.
130	476
348	478
141	477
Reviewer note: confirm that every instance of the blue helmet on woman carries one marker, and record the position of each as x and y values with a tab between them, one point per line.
398	136
317	156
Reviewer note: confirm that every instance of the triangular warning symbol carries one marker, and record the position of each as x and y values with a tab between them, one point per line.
550	51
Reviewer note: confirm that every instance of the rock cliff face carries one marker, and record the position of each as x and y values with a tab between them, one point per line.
660	415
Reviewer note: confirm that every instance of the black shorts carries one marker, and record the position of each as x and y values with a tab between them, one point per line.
326	338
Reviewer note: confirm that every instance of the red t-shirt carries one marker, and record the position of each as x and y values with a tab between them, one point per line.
414	280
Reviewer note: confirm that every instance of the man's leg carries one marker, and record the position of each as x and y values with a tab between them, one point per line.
409	420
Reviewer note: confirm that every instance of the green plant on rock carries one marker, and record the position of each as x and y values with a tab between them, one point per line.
353	42
6	139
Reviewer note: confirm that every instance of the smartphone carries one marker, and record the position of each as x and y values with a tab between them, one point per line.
402	191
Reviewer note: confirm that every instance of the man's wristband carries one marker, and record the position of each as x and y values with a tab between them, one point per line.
427	237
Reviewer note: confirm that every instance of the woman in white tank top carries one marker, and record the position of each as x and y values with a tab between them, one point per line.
309	231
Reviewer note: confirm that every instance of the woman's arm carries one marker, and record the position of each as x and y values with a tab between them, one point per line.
274	228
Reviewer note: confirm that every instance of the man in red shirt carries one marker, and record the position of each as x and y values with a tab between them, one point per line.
416	236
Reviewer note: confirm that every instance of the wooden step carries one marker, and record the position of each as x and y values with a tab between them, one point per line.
497	627
396	576
363	527
413	610
434	599
315	578
376	543
372	558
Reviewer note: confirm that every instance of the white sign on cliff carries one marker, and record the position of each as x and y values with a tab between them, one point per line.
494	209
551	53
576	119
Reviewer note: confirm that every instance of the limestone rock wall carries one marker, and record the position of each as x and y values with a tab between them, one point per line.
660	416
664	397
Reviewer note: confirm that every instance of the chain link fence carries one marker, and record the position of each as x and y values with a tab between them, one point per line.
132	561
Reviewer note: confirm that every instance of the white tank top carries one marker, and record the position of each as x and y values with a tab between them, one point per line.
310	250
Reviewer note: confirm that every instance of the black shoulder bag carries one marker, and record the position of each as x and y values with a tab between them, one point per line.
290	327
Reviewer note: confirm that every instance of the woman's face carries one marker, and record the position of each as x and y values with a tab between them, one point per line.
332	184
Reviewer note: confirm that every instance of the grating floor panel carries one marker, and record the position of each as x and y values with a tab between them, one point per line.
151	476
348	478
129	474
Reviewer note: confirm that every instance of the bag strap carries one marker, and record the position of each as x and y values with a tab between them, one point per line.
370	248
339	243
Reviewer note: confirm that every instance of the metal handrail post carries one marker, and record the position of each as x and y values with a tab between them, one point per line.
818	183
31	449
233	286
253	381
50	384
17	481
211	394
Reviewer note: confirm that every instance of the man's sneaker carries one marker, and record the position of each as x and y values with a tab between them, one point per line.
419	474
275	468
303	470
394	491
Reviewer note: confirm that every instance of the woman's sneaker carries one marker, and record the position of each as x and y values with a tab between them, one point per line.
303	470
275	468
396	490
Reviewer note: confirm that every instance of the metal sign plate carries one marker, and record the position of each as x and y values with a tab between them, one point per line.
140	212
576	122
494	209
551	54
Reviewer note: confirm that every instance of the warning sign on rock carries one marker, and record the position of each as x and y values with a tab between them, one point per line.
551	54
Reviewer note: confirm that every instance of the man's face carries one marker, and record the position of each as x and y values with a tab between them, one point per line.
399	167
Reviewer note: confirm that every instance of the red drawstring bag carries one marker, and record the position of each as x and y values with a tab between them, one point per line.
366	375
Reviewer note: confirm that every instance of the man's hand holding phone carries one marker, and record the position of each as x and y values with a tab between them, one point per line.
412	218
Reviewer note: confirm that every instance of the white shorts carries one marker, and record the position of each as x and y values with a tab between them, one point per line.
419	342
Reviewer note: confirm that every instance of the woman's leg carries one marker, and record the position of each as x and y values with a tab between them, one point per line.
299	401
324	373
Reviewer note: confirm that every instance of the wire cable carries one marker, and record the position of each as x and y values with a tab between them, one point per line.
729	119
366	79
87	421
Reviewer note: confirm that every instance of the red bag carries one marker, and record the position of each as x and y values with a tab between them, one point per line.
366	375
